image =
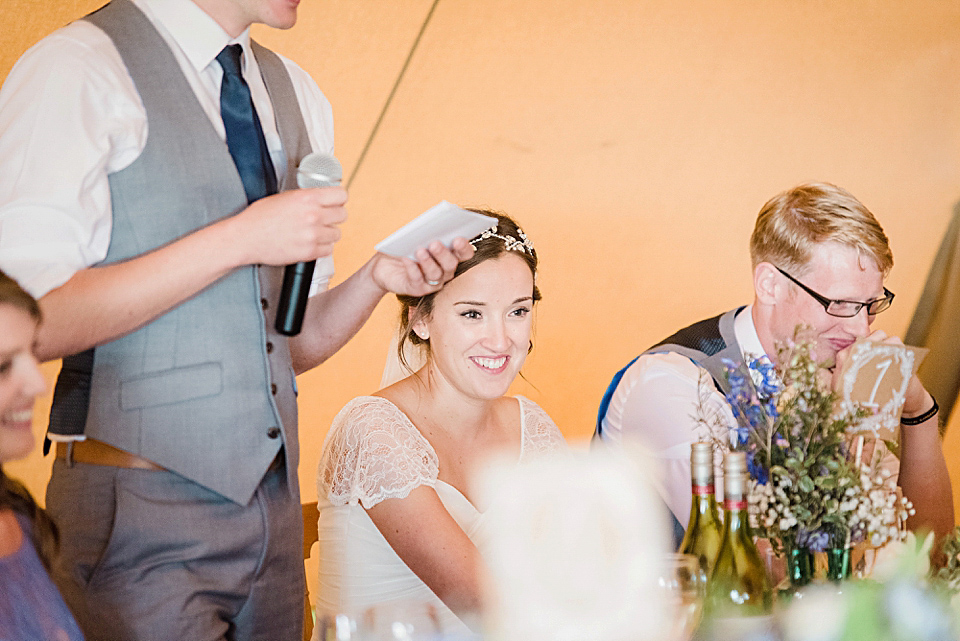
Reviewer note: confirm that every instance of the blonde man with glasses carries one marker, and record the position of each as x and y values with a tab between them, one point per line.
819	259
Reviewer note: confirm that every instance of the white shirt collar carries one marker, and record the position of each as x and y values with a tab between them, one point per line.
746	333
198	35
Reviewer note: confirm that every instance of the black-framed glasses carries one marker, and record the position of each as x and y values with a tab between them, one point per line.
846	308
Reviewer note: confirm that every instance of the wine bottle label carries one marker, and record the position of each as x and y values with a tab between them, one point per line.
735	503
700	490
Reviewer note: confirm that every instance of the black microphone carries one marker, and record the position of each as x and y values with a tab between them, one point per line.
315	170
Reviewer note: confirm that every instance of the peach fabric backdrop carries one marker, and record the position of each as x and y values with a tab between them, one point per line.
635	141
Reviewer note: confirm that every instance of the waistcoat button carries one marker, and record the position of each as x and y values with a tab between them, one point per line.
273	432
263	303
269	347
273	388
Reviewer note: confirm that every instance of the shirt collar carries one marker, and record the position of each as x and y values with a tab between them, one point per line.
198	35
746	333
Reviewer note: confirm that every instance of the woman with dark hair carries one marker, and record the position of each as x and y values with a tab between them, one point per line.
398	521
30	606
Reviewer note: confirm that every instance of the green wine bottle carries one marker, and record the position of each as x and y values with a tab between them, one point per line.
739	601
704	530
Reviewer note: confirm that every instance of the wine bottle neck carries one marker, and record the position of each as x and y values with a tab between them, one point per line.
705	505
736	520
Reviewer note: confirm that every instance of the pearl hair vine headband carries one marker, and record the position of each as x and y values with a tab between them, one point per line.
522	244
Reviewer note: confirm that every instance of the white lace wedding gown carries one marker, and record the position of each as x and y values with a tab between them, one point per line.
373	452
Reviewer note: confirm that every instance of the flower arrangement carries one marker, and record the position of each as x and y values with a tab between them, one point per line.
810	488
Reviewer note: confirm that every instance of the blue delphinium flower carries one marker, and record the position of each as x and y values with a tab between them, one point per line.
767	384
815	541
743	437
819	541
757	471
741	392
753	408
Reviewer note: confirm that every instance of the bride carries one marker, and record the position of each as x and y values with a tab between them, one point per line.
398	523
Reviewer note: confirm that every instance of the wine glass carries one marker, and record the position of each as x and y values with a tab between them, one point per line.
400	621
336	627
683	586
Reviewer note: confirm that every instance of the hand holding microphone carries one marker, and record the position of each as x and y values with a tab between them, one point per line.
315	170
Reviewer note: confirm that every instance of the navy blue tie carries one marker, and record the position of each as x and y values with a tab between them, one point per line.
244	133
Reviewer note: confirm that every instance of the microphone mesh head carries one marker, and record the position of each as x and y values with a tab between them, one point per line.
319	170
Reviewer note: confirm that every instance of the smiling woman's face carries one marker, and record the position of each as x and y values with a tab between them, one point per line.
20	382
480	327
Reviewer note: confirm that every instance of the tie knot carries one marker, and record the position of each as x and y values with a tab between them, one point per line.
229	59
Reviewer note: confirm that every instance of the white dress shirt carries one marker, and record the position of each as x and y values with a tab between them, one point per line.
70	115
656	403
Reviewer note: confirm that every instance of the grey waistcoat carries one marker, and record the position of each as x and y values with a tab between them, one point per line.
707	343
206	390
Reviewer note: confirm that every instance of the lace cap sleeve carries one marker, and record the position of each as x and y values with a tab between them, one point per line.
540	434
373	452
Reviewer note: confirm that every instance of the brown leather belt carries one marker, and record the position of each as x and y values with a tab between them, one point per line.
97	452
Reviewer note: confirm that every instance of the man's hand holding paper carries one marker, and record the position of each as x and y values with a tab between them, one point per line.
422	255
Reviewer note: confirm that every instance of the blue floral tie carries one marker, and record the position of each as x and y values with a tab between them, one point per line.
244	133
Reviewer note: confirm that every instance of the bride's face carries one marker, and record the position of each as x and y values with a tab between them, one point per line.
479	330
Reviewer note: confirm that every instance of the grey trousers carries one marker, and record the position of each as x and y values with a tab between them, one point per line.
151	556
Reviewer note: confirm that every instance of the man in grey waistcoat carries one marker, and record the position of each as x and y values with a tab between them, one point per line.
147	156
819	259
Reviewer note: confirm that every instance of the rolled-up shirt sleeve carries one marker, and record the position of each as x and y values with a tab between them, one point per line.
69	116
